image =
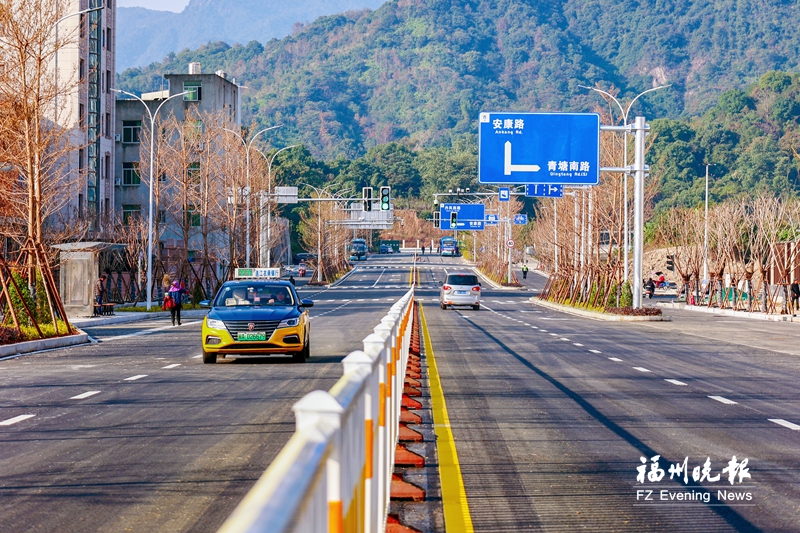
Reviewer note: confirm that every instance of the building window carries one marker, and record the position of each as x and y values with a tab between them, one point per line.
130	212
81	115
81	70
131	131
108	207
195	91
162	216
130	174
107	166
193	216
108	81
80	206
108	125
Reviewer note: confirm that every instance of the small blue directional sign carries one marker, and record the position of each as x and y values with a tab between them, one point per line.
544	190
470	216
521	220
539	148
504	194
492	220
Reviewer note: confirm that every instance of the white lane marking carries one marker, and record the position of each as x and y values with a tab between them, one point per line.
149	331
720	399
134	378
577	344
779	421
197	356
595	351
676	382
360	300
616	359
16	419
375	299
641	369
174	365
527	324
554	334
85	395
564	339
543	330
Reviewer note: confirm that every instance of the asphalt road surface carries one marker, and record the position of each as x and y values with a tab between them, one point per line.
551	414
135	433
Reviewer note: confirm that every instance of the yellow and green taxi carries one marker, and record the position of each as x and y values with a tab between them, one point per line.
256	317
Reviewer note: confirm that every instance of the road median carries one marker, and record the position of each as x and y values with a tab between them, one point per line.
596	315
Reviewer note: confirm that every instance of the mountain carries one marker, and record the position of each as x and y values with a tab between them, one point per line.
146	35
421	70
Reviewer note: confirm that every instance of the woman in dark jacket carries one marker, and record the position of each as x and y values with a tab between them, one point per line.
176	292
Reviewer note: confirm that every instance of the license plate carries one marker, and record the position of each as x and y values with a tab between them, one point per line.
461	292
251	336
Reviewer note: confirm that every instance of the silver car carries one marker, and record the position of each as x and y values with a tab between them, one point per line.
460	288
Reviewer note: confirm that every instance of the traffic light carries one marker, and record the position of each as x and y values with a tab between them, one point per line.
366	195
436	219
453	219
671	262
385	198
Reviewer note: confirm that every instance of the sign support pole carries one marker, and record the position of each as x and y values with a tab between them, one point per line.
638	210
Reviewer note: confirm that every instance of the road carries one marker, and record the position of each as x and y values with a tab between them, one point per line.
551	414
135	433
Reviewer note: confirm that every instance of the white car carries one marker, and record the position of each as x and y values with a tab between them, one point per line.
460	288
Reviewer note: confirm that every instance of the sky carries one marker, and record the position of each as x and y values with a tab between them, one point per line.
161	5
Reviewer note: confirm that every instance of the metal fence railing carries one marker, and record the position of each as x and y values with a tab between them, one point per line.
334	474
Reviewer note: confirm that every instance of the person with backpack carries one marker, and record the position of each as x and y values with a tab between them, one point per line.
174	301
525	271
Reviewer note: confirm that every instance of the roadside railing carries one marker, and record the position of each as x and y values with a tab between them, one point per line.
334	474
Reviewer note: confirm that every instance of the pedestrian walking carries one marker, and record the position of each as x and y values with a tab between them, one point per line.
423	250
175	294
525	271
795	290
99	293
291	280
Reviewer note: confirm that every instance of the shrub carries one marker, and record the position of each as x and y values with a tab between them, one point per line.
630	311
627	295
197	293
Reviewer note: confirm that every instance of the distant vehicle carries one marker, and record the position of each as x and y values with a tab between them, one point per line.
358	250
460	288
448	246
385	249
303	257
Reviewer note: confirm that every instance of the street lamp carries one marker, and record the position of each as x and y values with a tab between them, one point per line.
150	187
269	200
247	146
705	234
626	238
55	27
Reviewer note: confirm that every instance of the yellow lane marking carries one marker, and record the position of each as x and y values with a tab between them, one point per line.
454	496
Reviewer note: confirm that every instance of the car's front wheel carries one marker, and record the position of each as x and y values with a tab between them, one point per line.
209	358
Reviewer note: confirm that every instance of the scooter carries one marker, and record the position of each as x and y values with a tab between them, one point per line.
301	271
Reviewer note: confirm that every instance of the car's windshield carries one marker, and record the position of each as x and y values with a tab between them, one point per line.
255	293
462	279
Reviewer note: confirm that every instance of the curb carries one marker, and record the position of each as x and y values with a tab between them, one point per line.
729	312
594	315
124	318
26	347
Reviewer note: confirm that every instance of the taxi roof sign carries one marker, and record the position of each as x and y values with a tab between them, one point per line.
257	273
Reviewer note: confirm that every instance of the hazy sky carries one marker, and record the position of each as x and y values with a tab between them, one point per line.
161	5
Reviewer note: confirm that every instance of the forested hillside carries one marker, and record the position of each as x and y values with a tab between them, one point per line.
423	69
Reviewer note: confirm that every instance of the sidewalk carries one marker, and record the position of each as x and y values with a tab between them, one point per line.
123	318
729	312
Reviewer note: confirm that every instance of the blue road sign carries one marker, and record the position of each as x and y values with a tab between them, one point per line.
539	148
504	194
470	216
520	220
544	190
492	220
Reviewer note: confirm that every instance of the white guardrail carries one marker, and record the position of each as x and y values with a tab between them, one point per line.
334	474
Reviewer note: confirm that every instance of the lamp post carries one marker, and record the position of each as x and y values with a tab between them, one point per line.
247	146
55	27
150	187
626	237
705	234
269	201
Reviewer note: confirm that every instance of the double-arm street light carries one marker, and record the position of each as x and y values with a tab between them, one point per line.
153	116
625	112
269	200
247	145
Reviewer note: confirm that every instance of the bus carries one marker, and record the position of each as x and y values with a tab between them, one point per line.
358	250
448	247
